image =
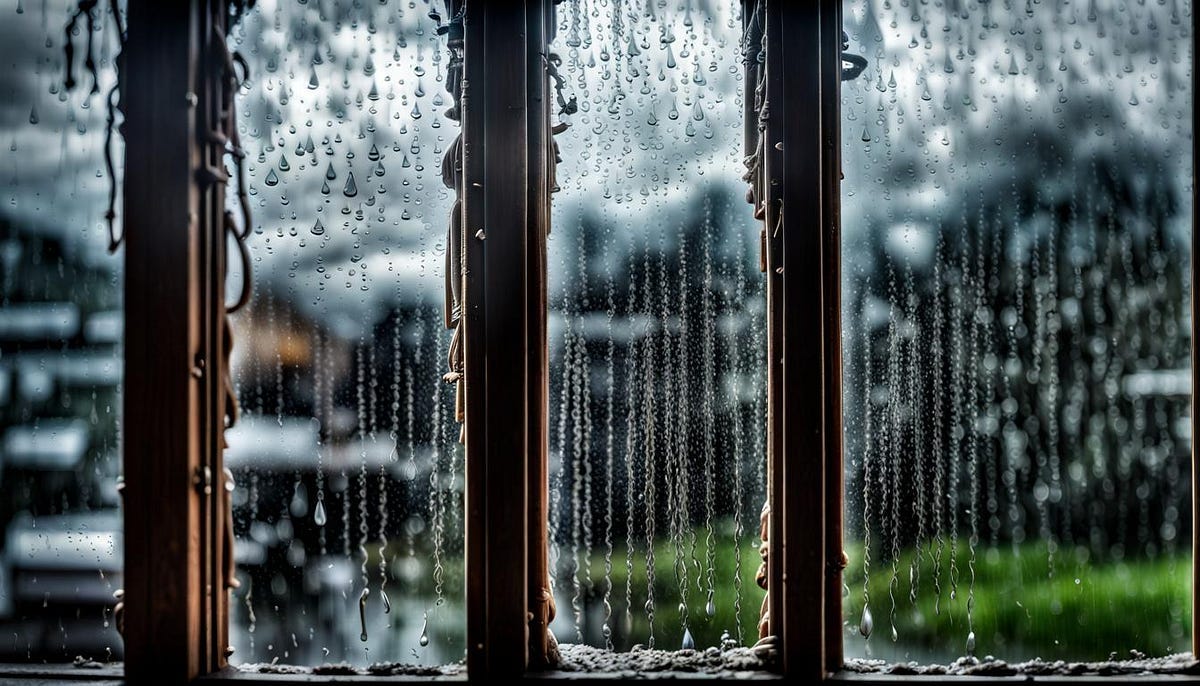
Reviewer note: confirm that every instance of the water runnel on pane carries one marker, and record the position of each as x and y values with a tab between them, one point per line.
348	504
61	337
1016	222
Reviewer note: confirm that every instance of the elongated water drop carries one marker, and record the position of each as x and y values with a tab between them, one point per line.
318	229
351	188
867	624
362	614
689	643
272	179
711	608
424	639
387	603
319	513
971	643
895	635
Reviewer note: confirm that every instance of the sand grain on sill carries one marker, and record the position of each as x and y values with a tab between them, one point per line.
346	669
735	662
1136	665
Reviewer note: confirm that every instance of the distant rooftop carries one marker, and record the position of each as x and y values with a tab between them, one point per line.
51	444
38	321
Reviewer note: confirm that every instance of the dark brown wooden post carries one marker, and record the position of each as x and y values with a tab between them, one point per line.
799	354
214	113
495	131
165	367
772	170
801	224
831	339
540	155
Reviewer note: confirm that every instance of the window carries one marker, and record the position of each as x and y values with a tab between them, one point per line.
1016	226
61	334
657	405
631	389
348	505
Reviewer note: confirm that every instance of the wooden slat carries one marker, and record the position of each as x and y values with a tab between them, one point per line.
496	346
212	257
803	515
772	169
831	339
539	155
162	335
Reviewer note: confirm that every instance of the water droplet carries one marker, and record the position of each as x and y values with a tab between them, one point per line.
351	188
424	640
299	505
689	643
971	643
330	173
387	603
867	624
711	608
895	635
272	179
362	614
319	511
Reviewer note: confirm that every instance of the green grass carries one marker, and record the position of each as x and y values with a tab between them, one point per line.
1026	606
668	631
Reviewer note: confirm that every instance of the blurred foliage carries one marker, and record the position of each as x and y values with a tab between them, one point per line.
1027	604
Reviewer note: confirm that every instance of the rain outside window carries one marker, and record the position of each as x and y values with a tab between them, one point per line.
657	342
61	335
348	501
1016	218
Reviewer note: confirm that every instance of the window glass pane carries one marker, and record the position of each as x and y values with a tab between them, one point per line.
348	505
657	335
1016	217
61	330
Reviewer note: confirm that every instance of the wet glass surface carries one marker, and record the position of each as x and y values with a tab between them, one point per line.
1016	217
61	332
348	504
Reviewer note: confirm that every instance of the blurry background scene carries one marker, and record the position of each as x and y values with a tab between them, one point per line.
61	329
347	460
1016	230
657	332
1016	217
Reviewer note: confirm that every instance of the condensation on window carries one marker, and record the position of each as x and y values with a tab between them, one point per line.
1016	222
657	336
61	334
348	502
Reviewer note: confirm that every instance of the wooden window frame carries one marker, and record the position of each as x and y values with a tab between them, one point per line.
176	606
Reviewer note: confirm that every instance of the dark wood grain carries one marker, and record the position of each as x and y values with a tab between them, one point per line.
540	157
831	338
496	339
801	467
162	336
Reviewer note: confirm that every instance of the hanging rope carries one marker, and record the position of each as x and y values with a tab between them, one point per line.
86	9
